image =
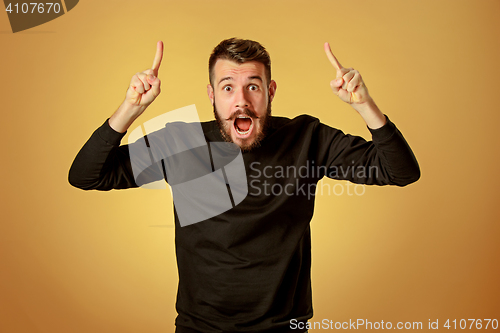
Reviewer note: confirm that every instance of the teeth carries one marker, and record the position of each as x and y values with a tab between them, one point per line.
247	131
237	130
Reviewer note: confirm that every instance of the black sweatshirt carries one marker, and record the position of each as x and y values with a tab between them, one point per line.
248	269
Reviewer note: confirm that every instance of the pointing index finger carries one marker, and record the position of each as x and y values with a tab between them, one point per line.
158	57
332	58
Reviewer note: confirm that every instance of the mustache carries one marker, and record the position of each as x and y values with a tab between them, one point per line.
244	111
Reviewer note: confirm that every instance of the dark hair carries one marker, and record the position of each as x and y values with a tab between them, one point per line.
240	51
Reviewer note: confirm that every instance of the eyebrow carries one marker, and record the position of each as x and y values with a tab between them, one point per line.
227	78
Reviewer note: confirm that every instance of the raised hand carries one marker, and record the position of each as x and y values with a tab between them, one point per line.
350	88
348	85
142	91
145	86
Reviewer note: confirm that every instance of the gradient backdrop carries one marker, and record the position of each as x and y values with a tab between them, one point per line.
76	261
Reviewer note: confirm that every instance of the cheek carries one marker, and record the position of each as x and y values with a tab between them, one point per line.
262	102
222	107
221	104
263	97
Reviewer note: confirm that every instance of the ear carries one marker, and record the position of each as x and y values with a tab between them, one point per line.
210	92
272	90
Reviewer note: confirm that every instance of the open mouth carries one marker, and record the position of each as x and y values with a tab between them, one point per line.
243	125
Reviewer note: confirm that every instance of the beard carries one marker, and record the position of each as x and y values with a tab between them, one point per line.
246	144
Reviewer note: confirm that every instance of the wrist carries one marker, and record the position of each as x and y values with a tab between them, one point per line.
124	116
365	107
371	114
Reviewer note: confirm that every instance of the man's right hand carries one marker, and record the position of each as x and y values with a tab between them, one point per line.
145	86
142	91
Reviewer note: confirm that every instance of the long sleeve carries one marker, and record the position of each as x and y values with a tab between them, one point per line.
102	164
386	160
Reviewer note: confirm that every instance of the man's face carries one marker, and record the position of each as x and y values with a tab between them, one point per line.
242	101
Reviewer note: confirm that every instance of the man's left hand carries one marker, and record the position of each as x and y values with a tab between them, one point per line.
350	88
348	85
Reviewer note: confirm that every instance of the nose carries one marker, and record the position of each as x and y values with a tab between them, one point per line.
241	99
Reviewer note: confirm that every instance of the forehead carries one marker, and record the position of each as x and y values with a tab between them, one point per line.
227	68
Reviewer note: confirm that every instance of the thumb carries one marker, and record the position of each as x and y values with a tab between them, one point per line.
155	84
151	78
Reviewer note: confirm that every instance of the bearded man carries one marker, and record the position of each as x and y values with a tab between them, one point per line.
248	269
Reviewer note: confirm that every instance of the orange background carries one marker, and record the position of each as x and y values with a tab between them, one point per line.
76	261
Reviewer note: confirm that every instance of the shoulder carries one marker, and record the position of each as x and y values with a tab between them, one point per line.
303	121
208	126
211	131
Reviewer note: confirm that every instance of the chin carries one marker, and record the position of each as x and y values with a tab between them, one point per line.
246	145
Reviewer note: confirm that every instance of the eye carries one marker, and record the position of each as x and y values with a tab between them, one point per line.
227	88
253	87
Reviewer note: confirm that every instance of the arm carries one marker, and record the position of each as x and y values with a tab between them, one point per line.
388	154
102	163
386	160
